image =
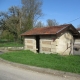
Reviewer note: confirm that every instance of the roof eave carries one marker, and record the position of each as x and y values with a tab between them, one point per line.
38	34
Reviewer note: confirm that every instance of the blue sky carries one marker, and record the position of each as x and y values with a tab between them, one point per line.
63	11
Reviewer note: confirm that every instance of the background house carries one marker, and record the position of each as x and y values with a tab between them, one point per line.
77	45
55	39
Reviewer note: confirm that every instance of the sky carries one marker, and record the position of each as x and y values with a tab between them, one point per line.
63	11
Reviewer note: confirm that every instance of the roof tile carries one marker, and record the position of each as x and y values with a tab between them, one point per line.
46	30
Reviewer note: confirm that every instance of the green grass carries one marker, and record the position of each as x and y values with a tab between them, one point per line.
53	61
10	44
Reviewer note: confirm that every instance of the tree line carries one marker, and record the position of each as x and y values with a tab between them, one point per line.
20	19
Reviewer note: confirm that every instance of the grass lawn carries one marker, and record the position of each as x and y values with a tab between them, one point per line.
10	44
53	61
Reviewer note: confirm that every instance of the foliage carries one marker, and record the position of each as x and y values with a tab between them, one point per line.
20	19
7	35
69	63
11	22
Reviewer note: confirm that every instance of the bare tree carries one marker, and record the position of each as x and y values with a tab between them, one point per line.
32	11
39	24
51	22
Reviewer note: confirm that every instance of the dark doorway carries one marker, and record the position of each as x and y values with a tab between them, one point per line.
37	43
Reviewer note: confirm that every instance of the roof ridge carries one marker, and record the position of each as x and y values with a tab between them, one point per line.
61	29
65	24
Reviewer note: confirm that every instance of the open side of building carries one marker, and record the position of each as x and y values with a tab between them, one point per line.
55	39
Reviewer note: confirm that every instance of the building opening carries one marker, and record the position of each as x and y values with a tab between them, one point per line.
37	43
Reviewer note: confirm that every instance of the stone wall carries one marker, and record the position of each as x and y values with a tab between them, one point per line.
65	43
10	48
30	43
77	42
47	44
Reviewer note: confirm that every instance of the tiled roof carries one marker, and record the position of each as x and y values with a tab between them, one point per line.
47	30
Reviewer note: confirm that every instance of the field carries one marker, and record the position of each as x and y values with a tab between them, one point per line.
10	44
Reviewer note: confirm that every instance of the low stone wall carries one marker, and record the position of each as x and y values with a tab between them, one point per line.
10	48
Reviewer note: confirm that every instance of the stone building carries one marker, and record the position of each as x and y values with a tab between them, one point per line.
77	45
56	39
